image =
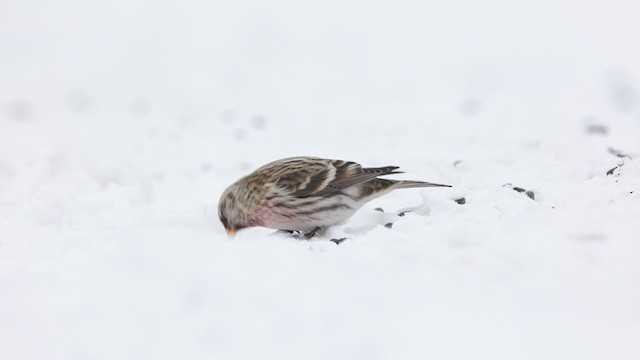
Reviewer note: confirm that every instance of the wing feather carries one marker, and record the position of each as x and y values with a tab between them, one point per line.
319	177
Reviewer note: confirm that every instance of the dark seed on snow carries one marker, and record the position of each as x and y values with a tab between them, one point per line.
388	225
461	201
519	189
610	172
338	241
530	194
378	209
402	213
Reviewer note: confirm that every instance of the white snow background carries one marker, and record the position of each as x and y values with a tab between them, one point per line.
121	122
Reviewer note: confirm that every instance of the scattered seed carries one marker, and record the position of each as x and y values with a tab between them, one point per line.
530	194
402	213
338	241
461	201
610	172
388	225
519	189
379	209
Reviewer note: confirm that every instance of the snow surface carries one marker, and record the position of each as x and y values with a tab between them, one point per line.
121	122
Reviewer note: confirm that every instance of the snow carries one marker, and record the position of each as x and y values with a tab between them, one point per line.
122	122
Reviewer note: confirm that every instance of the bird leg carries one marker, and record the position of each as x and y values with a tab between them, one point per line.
296	234
311	234
302	236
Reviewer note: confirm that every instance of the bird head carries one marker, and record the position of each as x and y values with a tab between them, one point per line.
232	213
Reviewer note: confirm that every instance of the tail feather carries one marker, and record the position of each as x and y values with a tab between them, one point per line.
385	170
406	184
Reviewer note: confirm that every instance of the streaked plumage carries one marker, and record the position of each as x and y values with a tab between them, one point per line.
305	193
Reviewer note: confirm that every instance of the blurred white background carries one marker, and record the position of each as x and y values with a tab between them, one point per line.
121	122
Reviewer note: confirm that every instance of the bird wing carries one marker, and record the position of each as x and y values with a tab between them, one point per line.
319	177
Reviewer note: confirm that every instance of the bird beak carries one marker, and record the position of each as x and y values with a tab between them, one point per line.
231	231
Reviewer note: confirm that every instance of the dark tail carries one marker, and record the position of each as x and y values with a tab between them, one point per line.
406	184
399	184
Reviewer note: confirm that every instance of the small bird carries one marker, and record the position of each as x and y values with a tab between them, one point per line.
305	194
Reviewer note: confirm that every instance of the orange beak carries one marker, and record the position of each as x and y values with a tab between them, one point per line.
231	231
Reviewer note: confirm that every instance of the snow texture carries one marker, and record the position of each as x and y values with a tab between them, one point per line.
121	123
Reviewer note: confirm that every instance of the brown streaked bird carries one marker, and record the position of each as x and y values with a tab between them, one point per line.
305	194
